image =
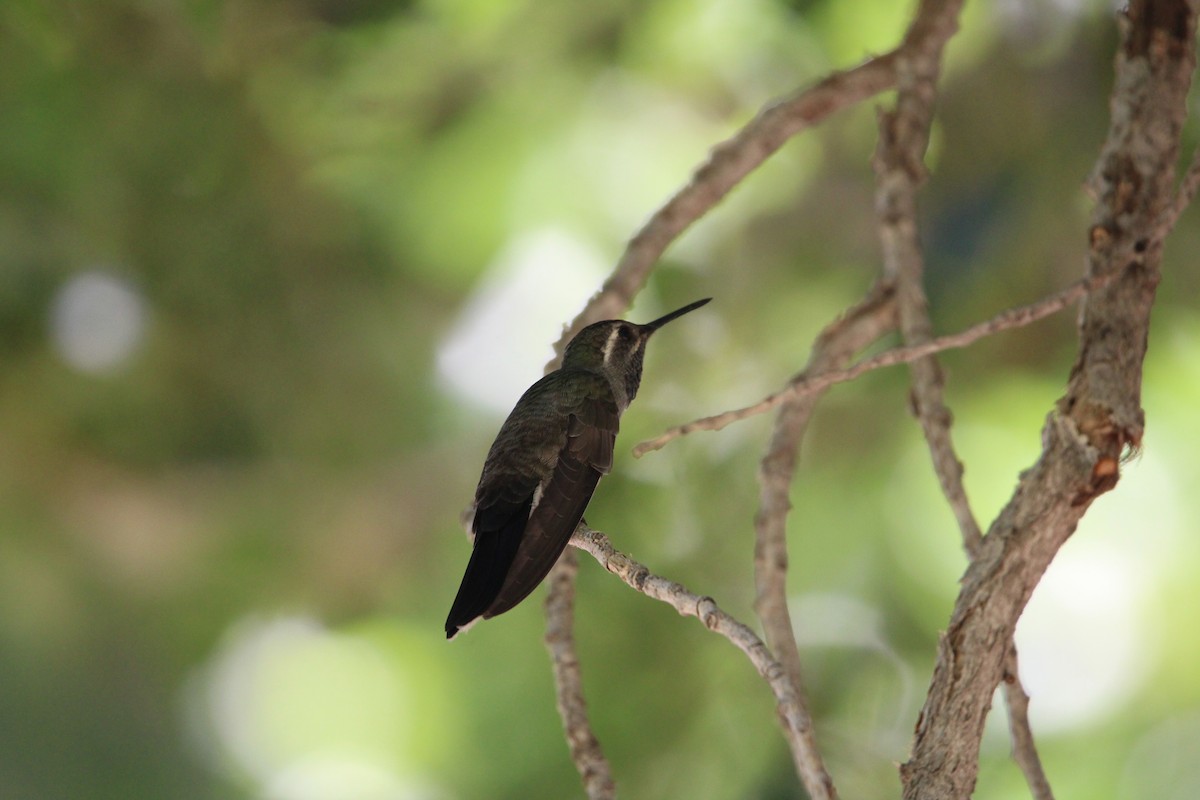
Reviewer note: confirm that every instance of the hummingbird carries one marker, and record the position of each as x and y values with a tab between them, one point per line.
544	465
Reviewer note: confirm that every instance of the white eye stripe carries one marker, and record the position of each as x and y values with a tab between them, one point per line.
610	344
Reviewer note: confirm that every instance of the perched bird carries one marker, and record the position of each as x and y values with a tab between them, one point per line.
543	467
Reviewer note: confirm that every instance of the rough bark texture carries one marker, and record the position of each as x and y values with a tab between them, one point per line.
1100	415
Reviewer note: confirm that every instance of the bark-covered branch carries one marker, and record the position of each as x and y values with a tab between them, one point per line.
1024	750
727	165
900	172
585	748
1098	418
852	331
805	383
793	712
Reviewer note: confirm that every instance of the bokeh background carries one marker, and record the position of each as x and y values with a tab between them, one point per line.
271	274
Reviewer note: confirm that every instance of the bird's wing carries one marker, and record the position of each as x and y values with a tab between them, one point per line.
499	524
520	460
586	455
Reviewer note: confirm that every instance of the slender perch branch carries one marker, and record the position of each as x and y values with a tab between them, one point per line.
793	715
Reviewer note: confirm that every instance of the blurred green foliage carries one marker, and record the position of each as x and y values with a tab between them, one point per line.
225	557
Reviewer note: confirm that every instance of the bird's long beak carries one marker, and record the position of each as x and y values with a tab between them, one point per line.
651	327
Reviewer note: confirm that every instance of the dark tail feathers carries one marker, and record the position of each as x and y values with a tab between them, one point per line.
493	554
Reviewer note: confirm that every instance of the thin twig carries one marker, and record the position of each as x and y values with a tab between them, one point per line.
839	341
793	715
1188	186
804	383
1024	750
900	172
727	164
585	748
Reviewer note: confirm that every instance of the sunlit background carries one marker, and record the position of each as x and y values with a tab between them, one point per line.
271	274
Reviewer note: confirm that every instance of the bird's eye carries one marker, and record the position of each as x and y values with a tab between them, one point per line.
625	333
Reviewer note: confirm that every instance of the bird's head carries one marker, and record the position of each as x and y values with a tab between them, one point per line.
616	348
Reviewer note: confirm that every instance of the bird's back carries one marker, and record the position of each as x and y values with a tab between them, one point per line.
537	479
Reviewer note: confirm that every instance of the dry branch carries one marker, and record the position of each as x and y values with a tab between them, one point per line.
804	383
900	173
1100	415
585	748
1188	186
793	714
861	325
727	164
1024	751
